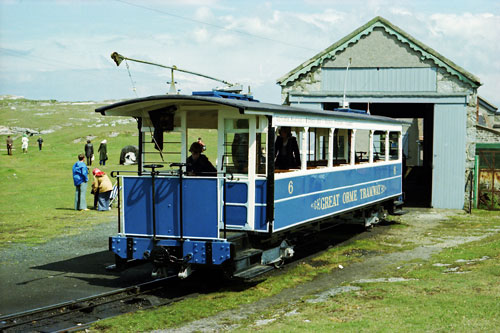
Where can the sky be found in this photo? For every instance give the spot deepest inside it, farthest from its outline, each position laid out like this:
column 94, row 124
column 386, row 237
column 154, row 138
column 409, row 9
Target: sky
column 60, row 49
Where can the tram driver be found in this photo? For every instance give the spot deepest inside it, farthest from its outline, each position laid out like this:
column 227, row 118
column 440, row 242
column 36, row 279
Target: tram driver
column 286, row 150
column 198, row 164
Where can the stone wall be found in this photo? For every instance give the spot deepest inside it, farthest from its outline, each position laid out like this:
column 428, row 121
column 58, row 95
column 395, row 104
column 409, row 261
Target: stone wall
column 309, row 82
column 487, row 135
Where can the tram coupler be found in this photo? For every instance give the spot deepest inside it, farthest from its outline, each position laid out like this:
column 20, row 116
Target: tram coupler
column 185, row 272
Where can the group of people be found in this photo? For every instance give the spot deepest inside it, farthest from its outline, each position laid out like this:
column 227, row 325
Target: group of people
column 101, row 186
column 24, row 143
column 103, row 152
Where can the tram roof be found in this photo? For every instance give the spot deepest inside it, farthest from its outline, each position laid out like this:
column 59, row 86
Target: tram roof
column 135, row 107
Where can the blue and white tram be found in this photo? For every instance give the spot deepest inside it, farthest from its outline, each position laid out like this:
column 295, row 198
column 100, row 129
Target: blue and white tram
column 243, row 218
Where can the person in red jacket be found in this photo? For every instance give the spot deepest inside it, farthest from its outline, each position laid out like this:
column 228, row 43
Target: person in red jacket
column 101, row 188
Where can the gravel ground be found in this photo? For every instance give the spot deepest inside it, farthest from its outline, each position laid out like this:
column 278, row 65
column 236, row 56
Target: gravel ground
column 62, row 269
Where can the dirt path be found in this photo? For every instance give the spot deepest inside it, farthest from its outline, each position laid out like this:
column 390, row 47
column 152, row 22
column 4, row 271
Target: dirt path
column 419, row 222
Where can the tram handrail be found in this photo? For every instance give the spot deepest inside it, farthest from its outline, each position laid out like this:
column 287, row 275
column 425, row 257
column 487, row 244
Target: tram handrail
column 116, row 173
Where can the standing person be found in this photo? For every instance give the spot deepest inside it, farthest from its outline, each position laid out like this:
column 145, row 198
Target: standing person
column 101, row 187
column 103, row 152
column 24, row 144
column 40, row 141
column 286, row 150
column 89, row 152
column 10, row 144
column 80, row 179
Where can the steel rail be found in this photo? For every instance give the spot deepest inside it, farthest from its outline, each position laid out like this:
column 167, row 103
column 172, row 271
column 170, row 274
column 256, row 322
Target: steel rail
column 11, row 320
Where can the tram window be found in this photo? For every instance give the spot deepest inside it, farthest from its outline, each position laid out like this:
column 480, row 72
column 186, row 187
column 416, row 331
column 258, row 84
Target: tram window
column 362, row 149
column 317, row 153
column 393, row 145
column 340, row 153
column 171, row 149
column 287, row 155
column 236, row 145
column 260, row 154
column 379, row 146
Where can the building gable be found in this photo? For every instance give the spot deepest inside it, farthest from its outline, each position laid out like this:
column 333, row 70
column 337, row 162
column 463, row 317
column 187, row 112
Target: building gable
column 377, row 49
column 380, row 44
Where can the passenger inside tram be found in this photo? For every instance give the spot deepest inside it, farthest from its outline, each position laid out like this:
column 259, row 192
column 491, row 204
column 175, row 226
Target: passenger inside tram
column 286, row 150
column 240, row 152
column 198, row 164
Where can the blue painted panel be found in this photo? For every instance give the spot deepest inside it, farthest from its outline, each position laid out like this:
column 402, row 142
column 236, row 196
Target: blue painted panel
column 379, row 80
column 137, row 200
column 449, row 145
column 313, row 196
column 200, row 207
column 236, row 215
column 221, row 251
column 260, row 218
column 260, row 191
column 197, row 249
column 260, row 211
column 236, row 192
column 311, row 183
column 140, row 246
column 199, row 216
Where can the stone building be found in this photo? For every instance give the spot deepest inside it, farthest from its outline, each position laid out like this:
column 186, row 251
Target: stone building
column 382, row 68
column 488, row 122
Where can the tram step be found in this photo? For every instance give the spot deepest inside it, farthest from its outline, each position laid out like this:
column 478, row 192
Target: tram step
column 399, row 212
column 239, row 239
column 253, row 271
column 398, row 203
column 247, row 258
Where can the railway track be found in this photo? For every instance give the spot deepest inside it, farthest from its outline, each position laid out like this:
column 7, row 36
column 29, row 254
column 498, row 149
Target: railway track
column 81, row 313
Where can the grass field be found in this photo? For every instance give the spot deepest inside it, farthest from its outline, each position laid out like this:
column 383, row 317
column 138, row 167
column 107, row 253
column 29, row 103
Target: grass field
column 455, row 290
column 37, row 202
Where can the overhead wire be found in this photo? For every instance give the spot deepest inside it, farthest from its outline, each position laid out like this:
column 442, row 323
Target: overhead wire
column 215, row 25
column 58, row 63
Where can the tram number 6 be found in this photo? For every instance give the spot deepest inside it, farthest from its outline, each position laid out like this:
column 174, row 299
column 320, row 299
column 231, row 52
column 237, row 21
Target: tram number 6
column 290, row 187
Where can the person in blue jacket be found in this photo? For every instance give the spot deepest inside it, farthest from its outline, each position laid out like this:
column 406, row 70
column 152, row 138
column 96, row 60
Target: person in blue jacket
column 80, row 179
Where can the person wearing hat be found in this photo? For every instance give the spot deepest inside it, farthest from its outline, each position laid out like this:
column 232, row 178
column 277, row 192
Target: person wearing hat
column 198, row 164
column 101, row 188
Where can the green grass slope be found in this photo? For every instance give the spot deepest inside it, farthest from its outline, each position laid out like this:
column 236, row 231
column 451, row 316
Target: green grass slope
column 38, row 192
